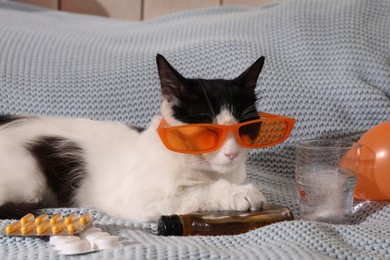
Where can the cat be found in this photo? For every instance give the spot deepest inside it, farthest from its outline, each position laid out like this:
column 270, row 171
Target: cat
column 125, row 171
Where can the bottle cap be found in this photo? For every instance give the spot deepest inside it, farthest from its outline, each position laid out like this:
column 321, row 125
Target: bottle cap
column 169, row 226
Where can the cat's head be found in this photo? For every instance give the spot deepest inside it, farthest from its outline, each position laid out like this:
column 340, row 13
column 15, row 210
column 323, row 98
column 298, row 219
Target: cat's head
column 218, row 101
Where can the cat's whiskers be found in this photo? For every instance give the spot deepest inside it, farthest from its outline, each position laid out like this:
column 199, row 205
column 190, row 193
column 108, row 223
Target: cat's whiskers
column 246, row 110
column 249, row 116
column 244, row 115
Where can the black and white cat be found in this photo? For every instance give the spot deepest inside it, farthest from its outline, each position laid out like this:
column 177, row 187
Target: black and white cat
column 127, row 172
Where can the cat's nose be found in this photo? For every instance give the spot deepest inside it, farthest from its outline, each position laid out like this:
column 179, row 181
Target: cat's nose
column 231, row 156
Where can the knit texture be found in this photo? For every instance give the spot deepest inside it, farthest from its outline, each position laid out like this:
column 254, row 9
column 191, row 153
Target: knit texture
column 327, row 65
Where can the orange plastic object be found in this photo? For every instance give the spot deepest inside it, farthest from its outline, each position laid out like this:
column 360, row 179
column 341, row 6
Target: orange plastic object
column 374, row 178
column 267, row 131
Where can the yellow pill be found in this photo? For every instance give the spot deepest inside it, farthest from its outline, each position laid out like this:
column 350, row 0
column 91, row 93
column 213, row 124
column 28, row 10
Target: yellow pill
column 42, row 218
column 11, row 228
column 56, row 218
column 84, row 219
column 72, row 227
column 27, row 219
column 43, row 227
column 70, row 219
column 57, row 228
column 27, row 228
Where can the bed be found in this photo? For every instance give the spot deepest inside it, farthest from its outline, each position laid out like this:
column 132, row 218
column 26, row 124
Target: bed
column 327, row 65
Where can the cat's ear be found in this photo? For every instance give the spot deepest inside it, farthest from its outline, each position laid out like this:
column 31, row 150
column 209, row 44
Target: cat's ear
column 172, row 83
column 249, row 77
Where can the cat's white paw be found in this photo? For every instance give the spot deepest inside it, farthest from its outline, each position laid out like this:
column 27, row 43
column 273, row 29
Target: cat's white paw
column 239, row 197
column 247, row 197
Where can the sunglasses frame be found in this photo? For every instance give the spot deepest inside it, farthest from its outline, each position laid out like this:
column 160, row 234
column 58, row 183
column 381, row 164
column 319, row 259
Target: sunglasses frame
column 226, row 129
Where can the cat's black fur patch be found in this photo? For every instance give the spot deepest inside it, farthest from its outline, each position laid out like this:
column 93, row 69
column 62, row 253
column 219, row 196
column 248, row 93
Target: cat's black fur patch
column 7, row 119
column 203, row 107
column 201, row 100
column 61, row 161
column 18, row 210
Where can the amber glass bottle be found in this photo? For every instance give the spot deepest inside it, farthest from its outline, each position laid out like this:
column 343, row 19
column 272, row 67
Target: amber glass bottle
column 221, row 222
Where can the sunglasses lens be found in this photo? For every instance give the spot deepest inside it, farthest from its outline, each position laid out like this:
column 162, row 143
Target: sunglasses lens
column 193, row 138
column 263, row 133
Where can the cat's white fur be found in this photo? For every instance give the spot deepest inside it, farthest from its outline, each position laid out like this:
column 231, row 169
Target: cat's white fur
column 129, row 174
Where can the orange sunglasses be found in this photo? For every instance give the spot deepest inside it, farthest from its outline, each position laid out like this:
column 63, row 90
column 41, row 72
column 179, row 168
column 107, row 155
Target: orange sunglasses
column 267, row 131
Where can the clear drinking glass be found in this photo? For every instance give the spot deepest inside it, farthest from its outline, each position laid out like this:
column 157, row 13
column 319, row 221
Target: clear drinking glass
column 326, row 173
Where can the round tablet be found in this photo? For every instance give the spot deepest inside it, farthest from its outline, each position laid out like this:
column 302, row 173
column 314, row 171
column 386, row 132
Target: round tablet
column 93, row 236
column 74, row 247
column 58, row 240
column 89, row 231
column 107, row 242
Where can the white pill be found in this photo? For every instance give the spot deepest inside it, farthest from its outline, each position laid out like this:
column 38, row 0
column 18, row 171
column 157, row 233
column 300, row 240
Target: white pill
column 93, row 236
column 107, row 242
column 75, row 247
column 89, row 231
column 58, row 240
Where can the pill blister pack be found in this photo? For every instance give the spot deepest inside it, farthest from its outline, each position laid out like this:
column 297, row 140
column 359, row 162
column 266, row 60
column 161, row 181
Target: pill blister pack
column 44, row 226
column 69, row 235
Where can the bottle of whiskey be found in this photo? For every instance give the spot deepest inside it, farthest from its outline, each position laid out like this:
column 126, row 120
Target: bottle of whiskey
column 221, row 222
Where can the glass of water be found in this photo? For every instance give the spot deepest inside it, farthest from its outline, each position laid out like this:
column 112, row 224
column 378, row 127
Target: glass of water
column 326, row 173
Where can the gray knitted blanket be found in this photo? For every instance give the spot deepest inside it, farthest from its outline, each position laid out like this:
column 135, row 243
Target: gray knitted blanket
column 327, row 65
